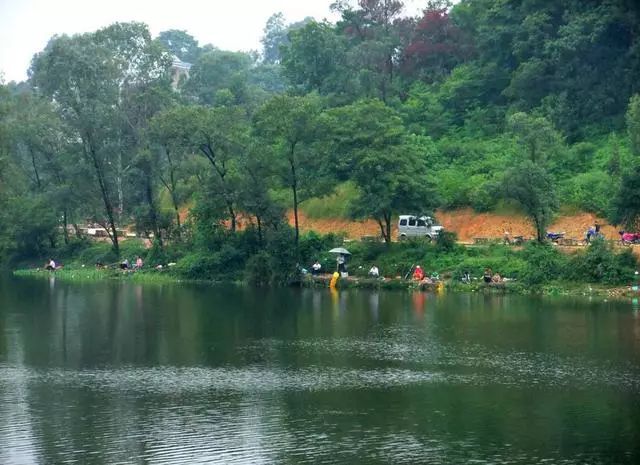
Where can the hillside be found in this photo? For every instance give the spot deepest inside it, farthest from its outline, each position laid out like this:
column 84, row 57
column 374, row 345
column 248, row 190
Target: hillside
column 466, row 223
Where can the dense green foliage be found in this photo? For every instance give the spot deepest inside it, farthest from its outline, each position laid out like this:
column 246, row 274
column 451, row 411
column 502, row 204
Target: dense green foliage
column 466, row 105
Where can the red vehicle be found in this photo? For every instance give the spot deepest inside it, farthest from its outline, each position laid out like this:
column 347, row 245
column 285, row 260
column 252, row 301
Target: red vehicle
column 629, row 238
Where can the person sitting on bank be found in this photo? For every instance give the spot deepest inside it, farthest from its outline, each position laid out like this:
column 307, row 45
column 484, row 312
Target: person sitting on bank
column 418, row 274
column 124, row 265
column 374, row 272
column 496, row 278
column 487, row 276
column 139, row 263
column 50, row 265
column 342, row 267
column 316, row 268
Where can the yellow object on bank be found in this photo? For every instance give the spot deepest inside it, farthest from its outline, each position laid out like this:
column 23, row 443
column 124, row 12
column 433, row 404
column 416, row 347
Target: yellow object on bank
column 334, row 280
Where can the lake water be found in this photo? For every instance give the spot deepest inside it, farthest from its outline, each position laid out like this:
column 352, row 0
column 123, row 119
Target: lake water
column 180, row 374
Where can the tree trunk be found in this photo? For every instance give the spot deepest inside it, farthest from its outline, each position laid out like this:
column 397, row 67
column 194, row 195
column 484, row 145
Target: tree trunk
column 119, row 183
column 294, row 189
column 105, row 197
column 173, row 193
column 382, row 231
column 64, row 231
column 232, row 214
column 175, row 207
column 170, row 185
column 35, row 169
column 387, row 220
column 152, row 209
column 222, row 172
column 539, row 231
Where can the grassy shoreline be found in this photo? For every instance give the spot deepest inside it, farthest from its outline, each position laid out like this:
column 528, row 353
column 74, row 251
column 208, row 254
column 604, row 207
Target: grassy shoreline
column 322, row 282
column 93, row 275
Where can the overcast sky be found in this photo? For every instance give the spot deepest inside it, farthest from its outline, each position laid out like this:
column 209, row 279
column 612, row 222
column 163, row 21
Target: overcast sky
column 27, row 25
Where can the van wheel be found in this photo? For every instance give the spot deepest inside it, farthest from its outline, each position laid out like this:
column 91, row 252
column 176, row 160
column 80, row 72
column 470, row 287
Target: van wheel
column 428, row 238
column 402, row 237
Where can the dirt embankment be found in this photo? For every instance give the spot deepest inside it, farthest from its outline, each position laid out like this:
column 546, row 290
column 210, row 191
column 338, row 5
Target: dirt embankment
column 467, row 224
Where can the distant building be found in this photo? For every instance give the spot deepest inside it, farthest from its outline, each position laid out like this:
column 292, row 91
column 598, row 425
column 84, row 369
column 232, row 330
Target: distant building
column 179, row 71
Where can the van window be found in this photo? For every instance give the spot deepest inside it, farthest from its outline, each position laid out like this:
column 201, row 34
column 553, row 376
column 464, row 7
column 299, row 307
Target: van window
column 421, row 223
column 403, row 222
column 412, row 222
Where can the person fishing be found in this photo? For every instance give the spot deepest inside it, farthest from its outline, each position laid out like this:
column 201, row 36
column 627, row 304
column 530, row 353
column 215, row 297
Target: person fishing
column 418, row 274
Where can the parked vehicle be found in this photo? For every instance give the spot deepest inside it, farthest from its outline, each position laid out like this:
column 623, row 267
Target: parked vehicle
column 417, row 226
column 555, row 236
column 628, row 238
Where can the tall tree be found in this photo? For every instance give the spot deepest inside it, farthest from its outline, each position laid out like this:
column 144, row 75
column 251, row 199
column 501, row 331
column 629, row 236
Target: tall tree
column 217, row 73
column 391, row 175
column 374, row 28
column 314, row 59
column 169, row 132
column 217, row 134
column 274, row 36
column 538, row 138
column 437, row 45
column 533, row 188
column 89, row 77
column 529, row 183
column 291, row 127
column 181, row 44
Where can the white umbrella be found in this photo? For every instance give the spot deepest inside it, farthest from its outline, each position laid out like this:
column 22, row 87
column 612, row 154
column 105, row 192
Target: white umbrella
column 340, row 250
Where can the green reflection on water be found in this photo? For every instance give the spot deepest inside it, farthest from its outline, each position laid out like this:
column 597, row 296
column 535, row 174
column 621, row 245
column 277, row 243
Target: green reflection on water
column 121, row 372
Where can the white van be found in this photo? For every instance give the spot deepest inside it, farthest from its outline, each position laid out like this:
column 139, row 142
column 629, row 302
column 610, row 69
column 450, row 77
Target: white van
column 417, row 226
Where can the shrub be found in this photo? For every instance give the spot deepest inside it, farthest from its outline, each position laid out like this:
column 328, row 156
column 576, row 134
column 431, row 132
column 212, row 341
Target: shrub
column 600, row 264
column 446, row 241
column 259, row 270
column 544, row 263
column 98, row 253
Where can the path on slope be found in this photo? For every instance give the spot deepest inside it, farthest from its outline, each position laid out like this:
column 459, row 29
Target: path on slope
column 466, row 223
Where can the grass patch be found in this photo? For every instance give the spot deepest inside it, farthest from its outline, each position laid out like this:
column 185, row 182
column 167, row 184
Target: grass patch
column 80, row 274
column 335, row 205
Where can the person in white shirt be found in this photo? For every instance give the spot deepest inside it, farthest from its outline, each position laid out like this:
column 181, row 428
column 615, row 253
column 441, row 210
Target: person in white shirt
column 374, row 272
column 316, row 267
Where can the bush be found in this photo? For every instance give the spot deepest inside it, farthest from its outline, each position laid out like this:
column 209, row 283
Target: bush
column 312, row 245
column 100, row 252
column 600, row 264
column 446, row 241
column 226, row 264
column 259, row 270
column 544, row 263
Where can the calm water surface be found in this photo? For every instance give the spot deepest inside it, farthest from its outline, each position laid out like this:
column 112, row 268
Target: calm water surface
column 174, row 374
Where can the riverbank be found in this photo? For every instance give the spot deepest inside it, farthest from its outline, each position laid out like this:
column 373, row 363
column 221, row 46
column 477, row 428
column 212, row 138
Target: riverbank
column 93, row 275
column 510, row 287
column 351, row 282
column 599, row 269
